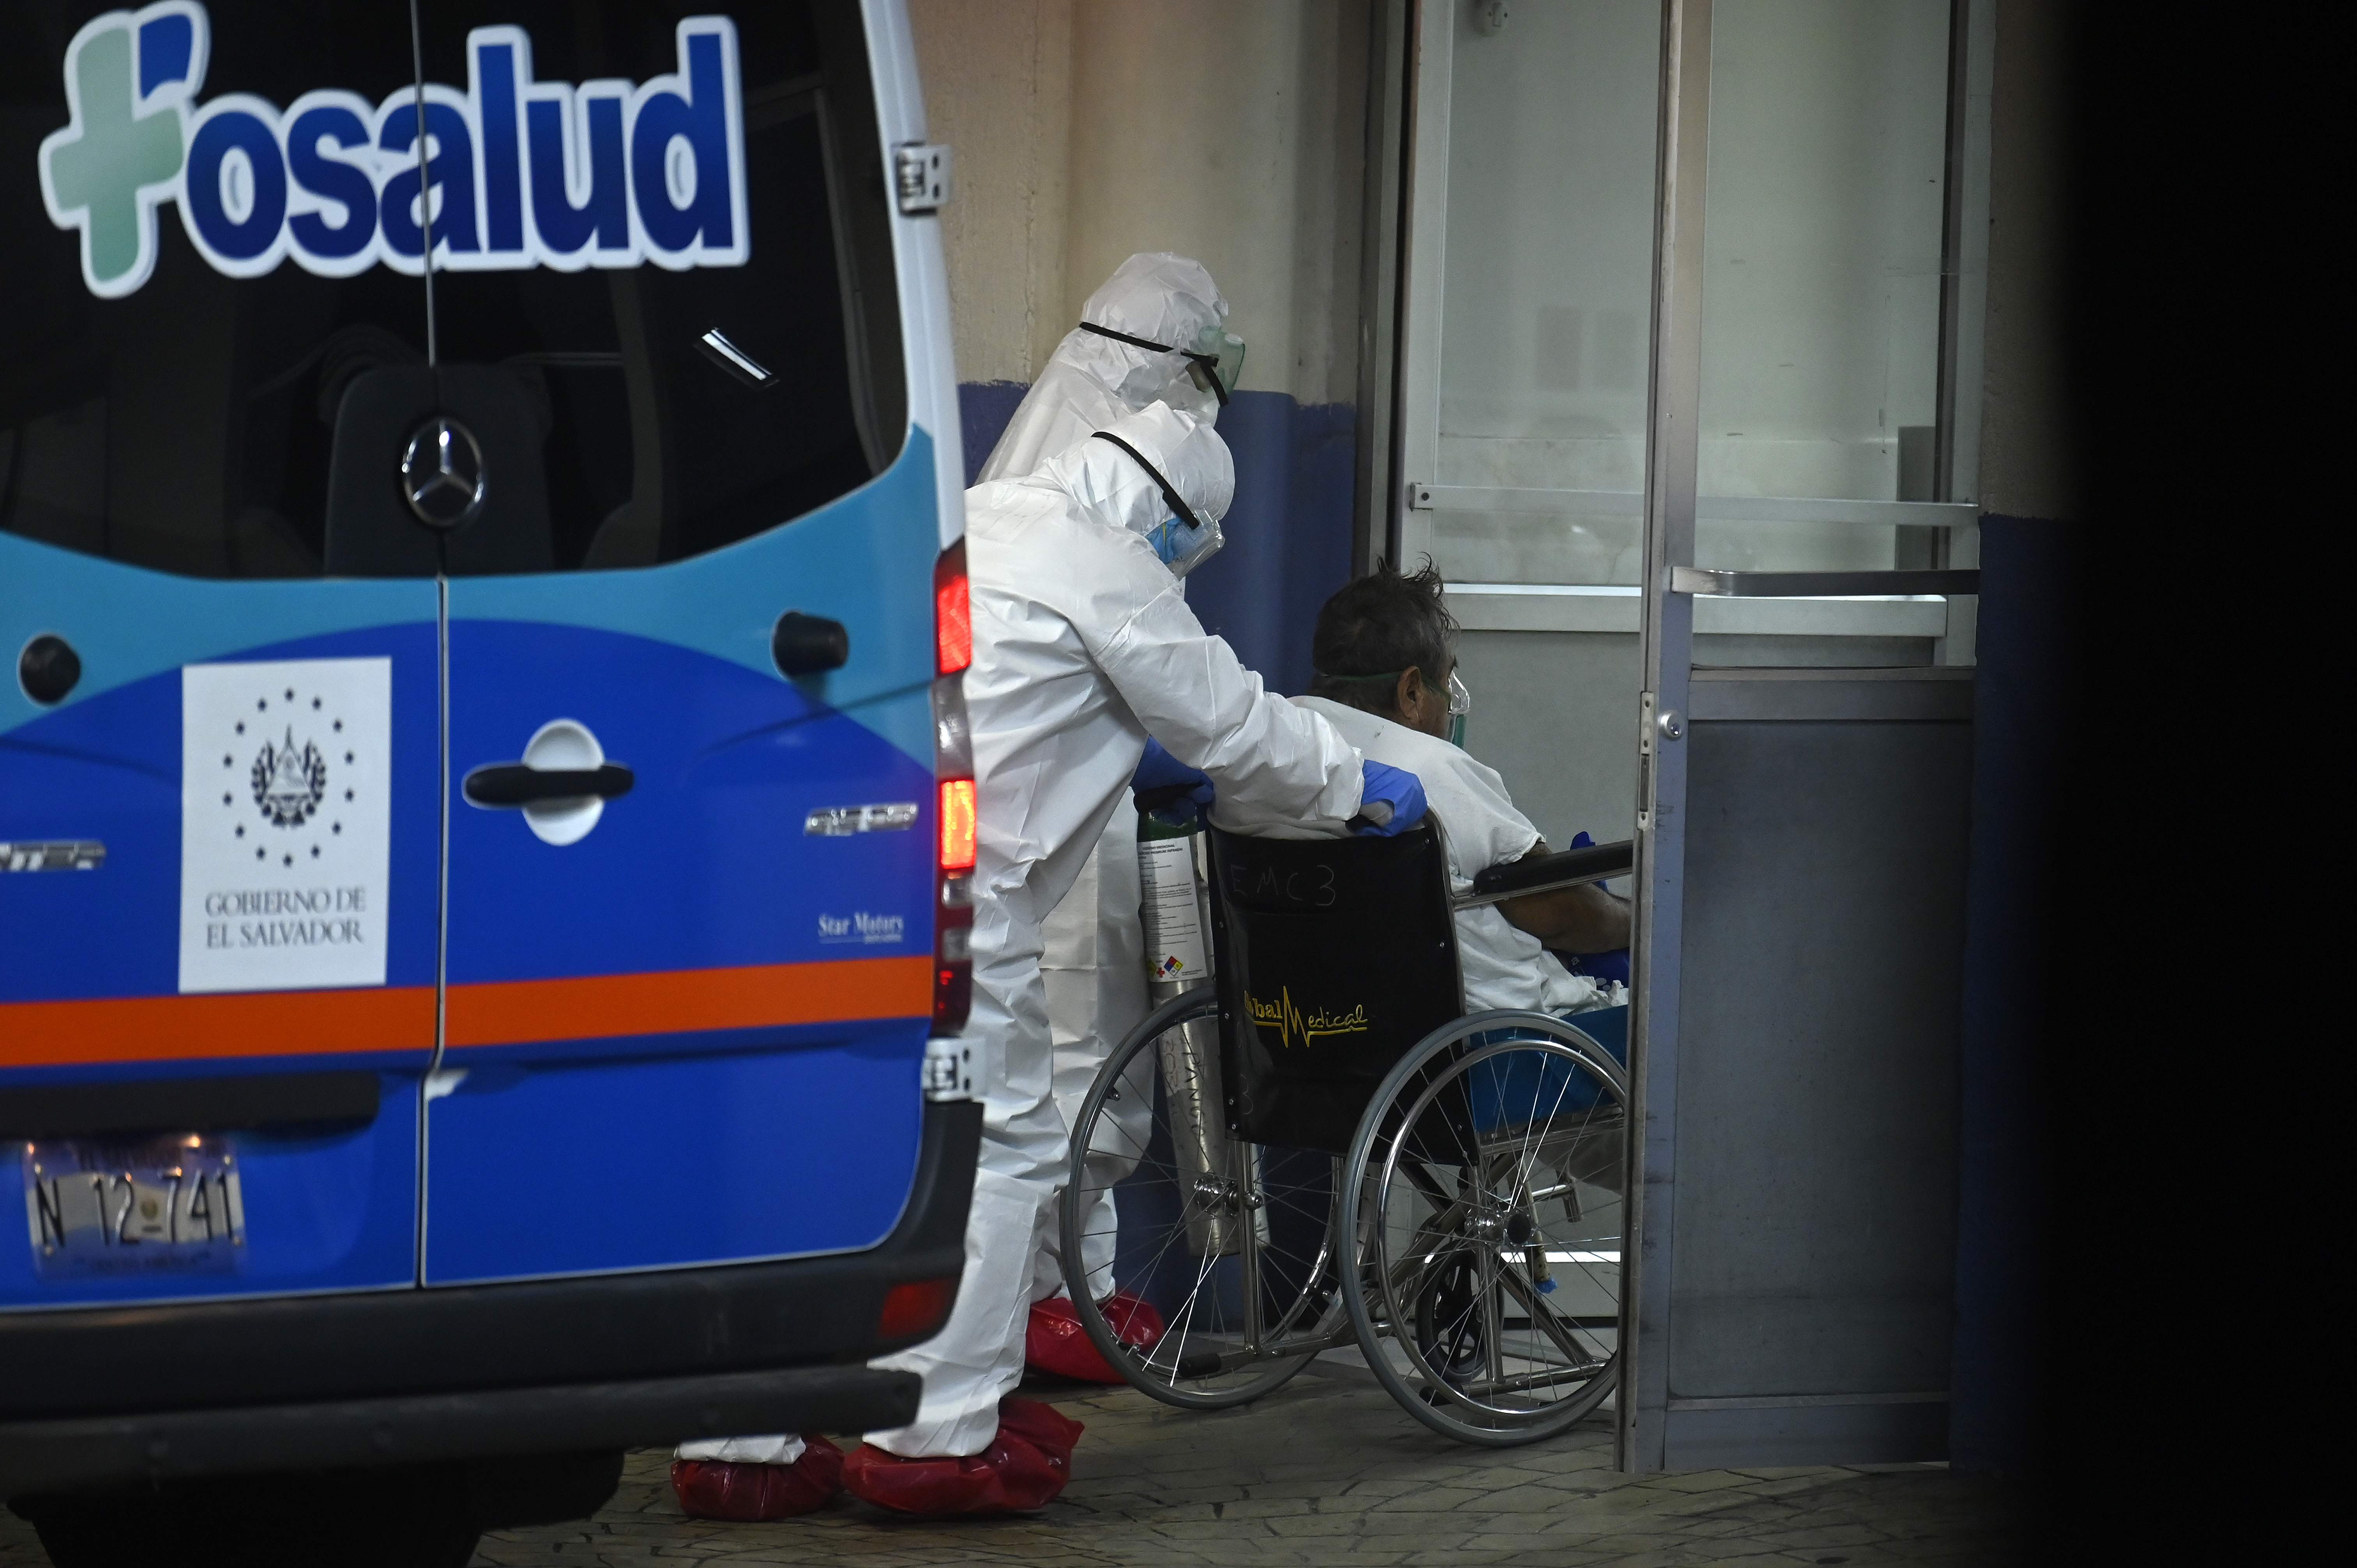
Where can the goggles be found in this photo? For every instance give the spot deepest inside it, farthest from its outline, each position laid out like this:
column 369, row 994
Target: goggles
column 1216, row 361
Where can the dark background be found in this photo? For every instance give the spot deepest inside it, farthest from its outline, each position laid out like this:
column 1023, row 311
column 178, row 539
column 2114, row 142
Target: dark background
column 2182, row 1322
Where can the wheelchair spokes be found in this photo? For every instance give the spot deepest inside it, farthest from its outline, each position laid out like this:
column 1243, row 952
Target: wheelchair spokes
column 1231, row 1243
column 1472, row 1238
column 1485, row 1196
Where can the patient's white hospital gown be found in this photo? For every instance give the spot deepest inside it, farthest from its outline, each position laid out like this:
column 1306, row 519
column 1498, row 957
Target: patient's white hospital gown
column 1504, row 966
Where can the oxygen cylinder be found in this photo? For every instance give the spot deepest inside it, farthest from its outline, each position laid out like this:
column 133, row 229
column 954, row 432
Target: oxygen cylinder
column 1174, row 870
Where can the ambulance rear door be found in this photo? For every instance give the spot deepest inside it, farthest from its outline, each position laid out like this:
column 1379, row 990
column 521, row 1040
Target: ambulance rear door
column 692, row 848
column 220, row 770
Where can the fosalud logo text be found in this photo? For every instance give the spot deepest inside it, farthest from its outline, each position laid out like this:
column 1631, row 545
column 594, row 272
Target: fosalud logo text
column 519, row 173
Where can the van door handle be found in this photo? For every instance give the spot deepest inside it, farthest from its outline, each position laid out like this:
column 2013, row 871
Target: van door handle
column 809, row 645
column 516, row 784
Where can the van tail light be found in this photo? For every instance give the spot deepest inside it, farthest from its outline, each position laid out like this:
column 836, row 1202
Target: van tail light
column 954, row 826
column 953, row 612
column 957, row 824
column 953, row 910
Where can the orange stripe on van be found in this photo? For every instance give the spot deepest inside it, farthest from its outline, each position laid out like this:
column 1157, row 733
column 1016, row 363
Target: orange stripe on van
column 606, row 1006
column 379, row 1018
column 231, row 1024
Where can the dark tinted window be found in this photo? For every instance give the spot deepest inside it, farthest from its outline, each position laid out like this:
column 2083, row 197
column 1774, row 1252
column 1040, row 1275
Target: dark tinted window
column 683, row 367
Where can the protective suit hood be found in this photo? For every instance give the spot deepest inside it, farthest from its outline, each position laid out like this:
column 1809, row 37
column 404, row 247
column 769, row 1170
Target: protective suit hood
column 1163, row 298
column 1090, row 381
column 1111, row 487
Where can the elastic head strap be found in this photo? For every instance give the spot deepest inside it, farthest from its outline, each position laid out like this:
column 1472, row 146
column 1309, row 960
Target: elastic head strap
column 1169, row 493
column 1211, row 362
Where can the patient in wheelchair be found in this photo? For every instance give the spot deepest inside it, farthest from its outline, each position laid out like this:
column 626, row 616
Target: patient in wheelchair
column 1386, row 677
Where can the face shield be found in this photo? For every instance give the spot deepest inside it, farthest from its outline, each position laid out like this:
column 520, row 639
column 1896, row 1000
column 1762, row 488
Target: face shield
column 1183, row 540
column 1215, row 362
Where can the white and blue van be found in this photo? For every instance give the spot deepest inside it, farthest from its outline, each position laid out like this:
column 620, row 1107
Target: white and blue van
column 483, row 799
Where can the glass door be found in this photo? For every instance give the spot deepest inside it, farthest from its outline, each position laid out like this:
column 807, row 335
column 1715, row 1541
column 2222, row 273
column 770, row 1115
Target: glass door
column 1522, row 380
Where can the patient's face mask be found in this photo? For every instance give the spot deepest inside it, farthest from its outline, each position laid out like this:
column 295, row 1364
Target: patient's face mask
column 1460, row 703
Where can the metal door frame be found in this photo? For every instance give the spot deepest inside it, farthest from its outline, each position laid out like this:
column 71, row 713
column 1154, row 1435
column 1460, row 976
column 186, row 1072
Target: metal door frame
column 1665, row 652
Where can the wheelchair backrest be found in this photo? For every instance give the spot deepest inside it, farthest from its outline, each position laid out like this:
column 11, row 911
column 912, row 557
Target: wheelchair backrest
column 1335, row 956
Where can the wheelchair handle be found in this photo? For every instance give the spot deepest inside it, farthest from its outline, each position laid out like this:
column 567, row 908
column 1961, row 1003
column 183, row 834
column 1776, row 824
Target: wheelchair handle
column 1566, row 868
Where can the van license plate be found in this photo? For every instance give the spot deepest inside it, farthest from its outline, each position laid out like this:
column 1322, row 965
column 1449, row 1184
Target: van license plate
column 169, row 1204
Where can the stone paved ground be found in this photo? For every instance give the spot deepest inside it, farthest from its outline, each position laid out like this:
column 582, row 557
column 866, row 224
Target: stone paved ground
column 1325, row 1471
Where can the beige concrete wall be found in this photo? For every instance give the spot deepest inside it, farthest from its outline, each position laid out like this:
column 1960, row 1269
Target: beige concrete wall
column 998, row 76
column 2027, row 467
column 1228, row 130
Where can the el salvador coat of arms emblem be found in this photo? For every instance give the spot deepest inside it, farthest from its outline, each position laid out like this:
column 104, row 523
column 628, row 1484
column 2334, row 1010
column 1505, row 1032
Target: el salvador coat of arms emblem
column 289, row 781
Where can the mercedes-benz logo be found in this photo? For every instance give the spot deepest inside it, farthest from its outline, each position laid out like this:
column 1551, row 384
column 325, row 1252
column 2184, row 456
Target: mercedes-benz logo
column 442, row 474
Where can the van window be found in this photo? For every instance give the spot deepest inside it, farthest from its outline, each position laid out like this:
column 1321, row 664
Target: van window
column 662, row 303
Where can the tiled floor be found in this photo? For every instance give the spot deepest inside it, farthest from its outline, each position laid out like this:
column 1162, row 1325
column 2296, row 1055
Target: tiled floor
column 1325, row 1471
column 1329, row 1471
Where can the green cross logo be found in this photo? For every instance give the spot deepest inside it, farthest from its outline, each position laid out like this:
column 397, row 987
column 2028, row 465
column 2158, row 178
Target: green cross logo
column 121, row 152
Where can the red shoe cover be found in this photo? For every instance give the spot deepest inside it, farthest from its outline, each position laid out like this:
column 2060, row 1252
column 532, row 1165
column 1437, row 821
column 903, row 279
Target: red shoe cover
column 748, row 1494
column 1023, row 1469
column 1055, row 1341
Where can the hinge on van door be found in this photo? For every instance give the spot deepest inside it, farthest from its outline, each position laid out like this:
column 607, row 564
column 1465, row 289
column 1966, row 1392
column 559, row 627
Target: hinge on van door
column 920, row 178
column 949, row 1069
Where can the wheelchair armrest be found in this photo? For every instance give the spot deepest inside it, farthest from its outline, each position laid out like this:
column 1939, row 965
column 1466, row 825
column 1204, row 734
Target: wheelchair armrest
column 1543, row 874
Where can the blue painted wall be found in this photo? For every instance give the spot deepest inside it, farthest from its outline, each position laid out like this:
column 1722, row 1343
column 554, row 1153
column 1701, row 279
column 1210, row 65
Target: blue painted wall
column 1288, row 532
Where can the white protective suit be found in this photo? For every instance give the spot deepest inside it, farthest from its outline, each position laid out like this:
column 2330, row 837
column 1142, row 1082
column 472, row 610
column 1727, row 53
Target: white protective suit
column 1094, row 962
column 1091, row 381
column 1083, row 645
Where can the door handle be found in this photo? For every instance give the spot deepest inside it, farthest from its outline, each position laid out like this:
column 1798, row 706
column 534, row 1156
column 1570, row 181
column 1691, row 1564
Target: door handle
column 517, row 784
column 809, row 645
column 1819, row 585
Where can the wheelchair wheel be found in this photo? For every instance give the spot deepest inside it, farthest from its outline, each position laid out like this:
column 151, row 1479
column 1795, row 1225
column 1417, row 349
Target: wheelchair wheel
column 1484, row 1189
column 1231, row 1243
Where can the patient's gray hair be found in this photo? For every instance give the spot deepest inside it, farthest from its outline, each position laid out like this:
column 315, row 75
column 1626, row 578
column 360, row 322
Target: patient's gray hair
column 1381, row 626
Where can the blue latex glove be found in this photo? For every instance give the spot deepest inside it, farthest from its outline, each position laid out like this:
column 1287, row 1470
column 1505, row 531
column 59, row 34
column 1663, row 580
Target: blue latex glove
column 1158, row 769
column 1392, row 790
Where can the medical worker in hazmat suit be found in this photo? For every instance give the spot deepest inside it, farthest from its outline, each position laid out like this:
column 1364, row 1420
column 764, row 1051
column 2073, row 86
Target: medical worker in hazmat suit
column 1154, row 332
column 1083, row 646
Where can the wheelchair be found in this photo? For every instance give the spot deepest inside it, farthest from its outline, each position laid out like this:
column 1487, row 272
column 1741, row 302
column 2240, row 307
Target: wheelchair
column 1318, row 1148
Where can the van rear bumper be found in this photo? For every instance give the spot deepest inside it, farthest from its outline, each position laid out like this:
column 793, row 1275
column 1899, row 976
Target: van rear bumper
column 53, row 1455
column 221, row 1387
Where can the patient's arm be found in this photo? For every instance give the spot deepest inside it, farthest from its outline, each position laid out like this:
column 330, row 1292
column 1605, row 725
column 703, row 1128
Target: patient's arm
column 1572, row 919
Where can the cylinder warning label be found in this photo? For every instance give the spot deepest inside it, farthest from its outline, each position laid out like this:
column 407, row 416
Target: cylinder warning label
column 1176, row 948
